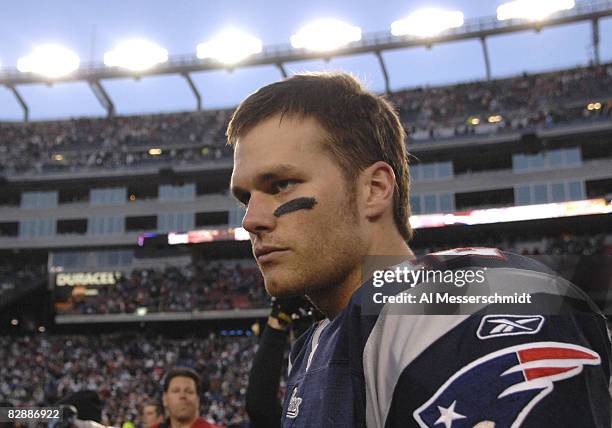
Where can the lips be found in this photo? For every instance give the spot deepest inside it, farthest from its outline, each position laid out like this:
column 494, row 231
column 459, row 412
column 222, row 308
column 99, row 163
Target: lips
column 266, row 252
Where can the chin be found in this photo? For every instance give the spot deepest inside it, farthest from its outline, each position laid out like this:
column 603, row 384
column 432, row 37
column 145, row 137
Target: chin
column 277, row 287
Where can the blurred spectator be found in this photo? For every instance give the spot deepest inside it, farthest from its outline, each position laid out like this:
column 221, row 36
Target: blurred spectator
column 152, row 414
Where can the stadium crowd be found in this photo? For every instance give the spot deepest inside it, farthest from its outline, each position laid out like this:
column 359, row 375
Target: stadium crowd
column 197, row 287
column 17, row 281
column 557, row 245
column 214, row 286
column 523, row 101
column 12, row 278
column 526, row 101
column 126, row 371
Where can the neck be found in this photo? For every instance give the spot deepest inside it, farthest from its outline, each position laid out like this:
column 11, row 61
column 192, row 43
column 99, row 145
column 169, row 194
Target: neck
column 175, row 423
column 331, row 300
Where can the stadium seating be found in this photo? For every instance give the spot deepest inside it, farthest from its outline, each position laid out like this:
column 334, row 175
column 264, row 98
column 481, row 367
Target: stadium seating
column 206, row 285
column 513, row 104
column 126, row 371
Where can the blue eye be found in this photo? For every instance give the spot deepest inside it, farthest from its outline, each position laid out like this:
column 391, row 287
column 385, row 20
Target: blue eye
column 282, row 185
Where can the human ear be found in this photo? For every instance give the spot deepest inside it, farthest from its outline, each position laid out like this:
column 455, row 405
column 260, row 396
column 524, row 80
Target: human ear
column 379, row 181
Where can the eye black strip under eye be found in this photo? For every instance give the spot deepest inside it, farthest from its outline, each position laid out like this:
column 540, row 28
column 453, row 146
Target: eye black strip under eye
column 294, row 205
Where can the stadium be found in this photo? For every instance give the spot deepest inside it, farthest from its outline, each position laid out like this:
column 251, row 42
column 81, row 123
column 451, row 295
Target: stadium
column 123, row 252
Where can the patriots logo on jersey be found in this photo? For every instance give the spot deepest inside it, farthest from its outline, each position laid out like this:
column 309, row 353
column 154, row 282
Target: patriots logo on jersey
column 294, row 405
column 501, row 388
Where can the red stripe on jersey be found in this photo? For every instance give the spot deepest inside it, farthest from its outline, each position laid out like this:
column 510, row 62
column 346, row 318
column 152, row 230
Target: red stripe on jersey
column 554, row 354
column 531, row 374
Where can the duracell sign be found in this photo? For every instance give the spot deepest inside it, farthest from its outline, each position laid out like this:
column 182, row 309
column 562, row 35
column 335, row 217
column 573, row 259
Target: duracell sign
column 86, row 278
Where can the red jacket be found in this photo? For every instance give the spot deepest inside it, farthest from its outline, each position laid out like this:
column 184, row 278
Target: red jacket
column 202, row 423
column 198, row 423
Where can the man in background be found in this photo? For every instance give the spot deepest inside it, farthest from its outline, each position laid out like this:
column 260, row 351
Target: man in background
column 152, row 414
column 181, row 400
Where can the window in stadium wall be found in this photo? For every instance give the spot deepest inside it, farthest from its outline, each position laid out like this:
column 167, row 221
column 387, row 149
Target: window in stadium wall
column 35, row 200
column 114, row 258
column 169, row 193
column 172, row 222
column 105, row 225
column 431, row 171
column 429, row 202
column 569, row 157
column 235, row 217
column 108, row 196
column 432, row 203
column 523, row 195
column 69, row 259
column 573, row 156
column 555, row 158
column 415, row 204
column 558, row 192
column 36, row 228
column 541, row 193
column 575, row 190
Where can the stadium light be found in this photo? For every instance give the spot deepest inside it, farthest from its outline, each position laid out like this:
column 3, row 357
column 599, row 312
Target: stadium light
column 136, row 55
column 593, row 106
column 49, row 60
column 533, row 10
column 325, row 35
column 230, row 46
column 155, row 151
column 427, row 22
column 495, row 118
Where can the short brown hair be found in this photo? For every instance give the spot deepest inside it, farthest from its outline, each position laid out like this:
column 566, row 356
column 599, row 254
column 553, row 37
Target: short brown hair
column 182, row 372
column 159, row 408
column 363, row 128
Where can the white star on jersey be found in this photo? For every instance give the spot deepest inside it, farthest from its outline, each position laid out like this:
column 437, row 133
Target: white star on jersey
column 448, row 415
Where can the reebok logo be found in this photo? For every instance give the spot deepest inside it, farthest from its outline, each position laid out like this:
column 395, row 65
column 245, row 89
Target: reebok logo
column 509, row 325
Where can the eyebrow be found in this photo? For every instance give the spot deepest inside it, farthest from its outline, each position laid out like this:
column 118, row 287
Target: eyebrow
column 272, row 174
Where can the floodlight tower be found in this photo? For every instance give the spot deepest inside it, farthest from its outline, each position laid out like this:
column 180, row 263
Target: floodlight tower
column 228, row 48
column 595, row 38
column 324, row 39
column 50, row 61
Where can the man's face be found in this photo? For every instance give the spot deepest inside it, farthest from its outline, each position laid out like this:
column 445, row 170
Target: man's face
column 314, row 248
column 150, row 416
column 181, row 400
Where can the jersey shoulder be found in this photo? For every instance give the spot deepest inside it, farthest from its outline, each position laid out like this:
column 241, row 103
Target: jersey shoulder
column 464, row 257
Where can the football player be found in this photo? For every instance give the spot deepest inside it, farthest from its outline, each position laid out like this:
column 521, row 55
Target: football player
column 321, row 166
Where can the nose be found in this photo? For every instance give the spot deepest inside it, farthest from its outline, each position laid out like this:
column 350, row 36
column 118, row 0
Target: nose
column 259, row 216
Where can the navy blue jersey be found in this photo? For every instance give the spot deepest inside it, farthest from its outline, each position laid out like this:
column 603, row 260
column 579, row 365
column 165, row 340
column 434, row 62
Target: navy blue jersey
column 453, row 371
